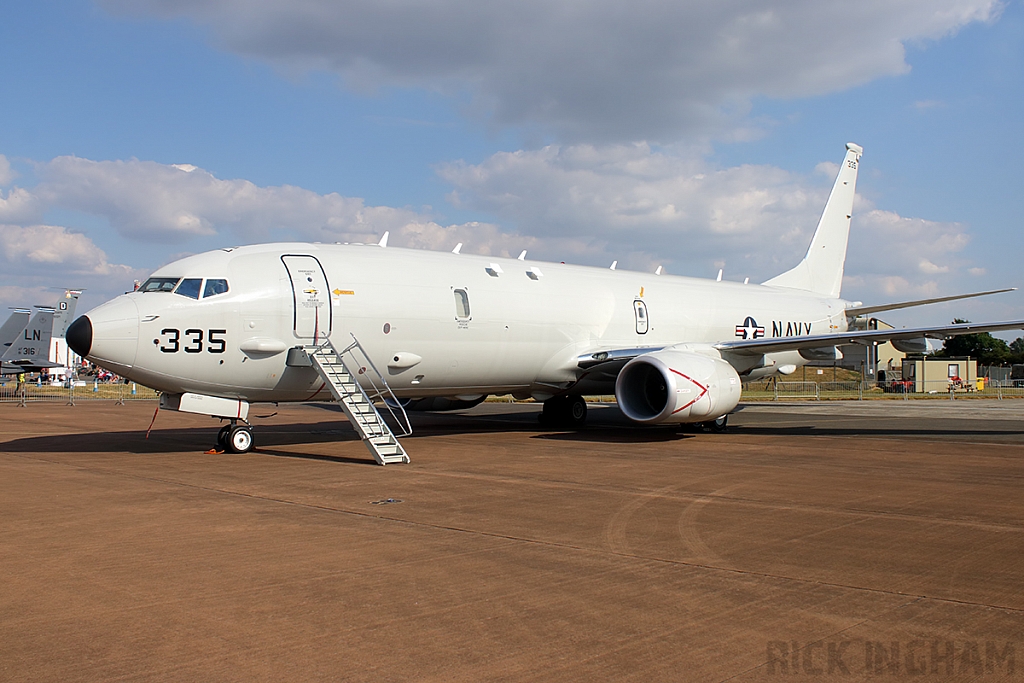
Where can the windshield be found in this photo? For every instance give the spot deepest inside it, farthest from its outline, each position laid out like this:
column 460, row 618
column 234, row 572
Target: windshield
column 190, row 287
column 159, row 284
column 215, row 286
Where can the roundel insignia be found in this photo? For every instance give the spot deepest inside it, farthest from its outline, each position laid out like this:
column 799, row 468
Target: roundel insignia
column 749, row 329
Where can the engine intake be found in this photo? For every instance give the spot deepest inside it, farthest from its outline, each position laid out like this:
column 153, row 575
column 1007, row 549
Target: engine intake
column 676, row 387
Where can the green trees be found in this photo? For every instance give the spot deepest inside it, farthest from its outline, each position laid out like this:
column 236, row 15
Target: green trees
column 987, row 349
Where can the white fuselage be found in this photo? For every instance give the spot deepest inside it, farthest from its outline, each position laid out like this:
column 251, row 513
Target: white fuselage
column 528, row 322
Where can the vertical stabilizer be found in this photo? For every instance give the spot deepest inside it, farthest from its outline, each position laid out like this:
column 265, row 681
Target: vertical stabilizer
column 821, row 270
column 32, row 344
column 64, row 312
column 12, row 328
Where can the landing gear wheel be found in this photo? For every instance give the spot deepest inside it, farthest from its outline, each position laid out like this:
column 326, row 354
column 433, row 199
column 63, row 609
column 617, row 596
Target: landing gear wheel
column 718, row 425
column 240, row 439
column 222, row 437
column 576, row 411
column 566, row 411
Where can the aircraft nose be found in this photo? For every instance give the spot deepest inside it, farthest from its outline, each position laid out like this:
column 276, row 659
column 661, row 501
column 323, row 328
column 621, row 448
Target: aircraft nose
column 110, row 334
column 79, row 336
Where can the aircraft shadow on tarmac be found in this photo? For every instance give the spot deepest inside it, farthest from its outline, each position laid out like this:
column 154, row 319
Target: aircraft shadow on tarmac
column 868, row 431
column 607, row 425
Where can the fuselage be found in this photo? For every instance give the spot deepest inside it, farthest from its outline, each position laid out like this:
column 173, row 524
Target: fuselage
column 471, row 324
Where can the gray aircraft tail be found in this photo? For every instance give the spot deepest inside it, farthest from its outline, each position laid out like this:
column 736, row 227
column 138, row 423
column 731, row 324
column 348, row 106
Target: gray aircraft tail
column 32, row 345
column 821, row 270
column 12, row 327
column 64, row 312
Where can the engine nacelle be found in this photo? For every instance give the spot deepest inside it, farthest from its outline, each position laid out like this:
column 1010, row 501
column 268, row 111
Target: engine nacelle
column 920, row 345
column 677, row 386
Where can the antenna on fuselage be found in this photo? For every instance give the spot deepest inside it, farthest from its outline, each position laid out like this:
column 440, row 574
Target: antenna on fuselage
column 458, row 248
column 384, row 240
column 522, row 256
column 658, row 271
column 719, row 278
column 612, row 266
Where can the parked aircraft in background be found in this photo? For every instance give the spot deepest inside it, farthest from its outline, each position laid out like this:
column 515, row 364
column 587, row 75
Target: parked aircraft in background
column 220, row 330
column 27, row 341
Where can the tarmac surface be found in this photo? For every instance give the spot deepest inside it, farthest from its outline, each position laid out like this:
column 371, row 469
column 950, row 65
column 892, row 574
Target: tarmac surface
column 873, row 541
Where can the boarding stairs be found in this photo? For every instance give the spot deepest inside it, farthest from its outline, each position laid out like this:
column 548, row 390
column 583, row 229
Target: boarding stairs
column 336, row 369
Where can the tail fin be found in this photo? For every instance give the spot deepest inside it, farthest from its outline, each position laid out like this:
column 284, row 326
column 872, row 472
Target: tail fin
column 821, row 270
column 32, row 345
column 12, row 328
column 64, row 312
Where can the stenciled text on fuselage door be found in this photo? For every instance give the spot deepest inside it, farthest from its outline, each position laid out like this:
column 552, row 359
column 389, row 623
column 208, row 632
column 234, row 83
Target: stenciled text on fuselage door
column 311, row 295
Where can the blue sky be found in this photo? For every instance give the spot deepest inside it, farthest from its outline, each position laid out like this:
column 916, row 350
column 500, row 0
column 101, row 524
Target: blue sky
column 659, row 134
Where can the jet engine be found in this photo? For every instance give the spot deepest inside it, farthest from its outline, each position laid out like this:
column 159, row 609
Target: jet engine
column 920, row 345
column 676, row 386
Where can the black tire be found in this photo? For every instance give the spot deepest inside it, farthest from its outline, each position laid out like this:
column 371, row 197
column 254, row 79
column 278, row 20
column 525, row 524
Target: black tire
column 576, row 411
column 240, row 439
column 718, row 425
column 564, row 411
column 222, row 437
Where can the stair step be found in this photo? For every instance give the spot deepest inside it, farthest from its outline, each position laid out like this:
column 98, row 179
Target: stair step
column 358, row 407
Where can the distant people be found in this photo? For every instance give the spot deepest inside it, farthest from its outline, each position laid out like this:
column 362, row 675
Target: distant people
column 21, row 386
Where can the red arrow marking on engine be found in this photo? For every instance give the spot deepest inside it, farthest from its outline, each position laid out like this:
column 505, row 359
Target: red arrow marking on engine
column 703, row 390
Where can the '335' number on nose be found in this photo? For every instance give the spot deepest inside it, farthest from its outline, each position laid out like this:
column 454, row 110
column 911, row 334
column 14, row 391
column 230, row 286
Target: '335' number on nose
column 173, row 340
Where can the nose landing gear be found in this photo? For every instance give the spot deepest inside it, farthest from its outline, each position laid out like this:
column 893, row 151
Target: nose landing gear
column 235, row 438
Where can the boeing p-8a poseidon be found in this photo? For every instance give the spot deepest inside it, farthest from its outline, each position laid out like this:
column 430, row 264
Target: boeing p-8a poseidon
column 264, row 323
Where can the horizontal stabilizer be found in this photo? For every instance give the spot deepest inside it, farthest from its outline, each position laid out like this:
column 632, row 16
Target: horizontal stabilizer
column 869, row 310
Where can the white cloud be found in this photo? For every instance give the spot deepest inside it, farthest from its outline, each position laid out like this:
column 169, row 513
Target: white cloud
column 7, row 174
column 600, row 70
column 929, row 268
column 27, row 249
column 172, row 203
column 20, row 206
column 892, row 255
column 644, row 207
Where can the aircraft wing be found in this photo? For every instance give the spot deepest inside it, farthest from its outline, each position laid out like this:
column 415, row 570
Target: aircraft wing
column 756, row 347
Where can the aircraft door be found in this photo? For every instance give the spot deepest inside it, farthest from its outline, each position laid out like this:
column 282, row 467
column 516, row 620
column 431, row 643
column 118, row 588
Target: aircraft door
column 312, row 297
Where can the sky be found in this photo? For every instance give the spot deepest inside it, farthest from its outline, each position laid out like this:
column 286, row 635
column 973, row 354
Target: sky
column 685, row 134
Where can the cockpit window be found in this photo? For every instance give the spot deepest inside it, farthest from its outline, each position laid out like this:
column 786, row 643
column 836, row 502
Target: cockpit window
column 159, row 284
column 214, row 286
column 190, row 287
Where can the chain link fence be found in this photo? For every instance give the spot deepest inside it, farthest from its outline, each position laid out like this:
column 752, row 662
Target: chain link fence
column 72, row 392
column 770, row 390
column 762, row 390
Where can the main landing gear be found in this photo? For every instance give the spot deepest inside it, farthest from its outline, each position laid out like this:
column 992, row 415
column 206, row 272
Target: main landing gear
column 235, row 438
column 567, row 411
column 717, row 426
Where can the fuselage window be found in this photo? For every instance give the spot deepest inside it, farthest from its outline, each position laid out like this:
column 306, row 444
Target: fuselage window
column 159, row 284
column 461, row 304
column 214, row 286
column 190, row 287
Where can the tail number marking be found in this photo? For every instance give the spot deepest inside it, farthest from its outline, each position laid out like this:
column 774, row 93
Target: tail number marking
column 170, row 340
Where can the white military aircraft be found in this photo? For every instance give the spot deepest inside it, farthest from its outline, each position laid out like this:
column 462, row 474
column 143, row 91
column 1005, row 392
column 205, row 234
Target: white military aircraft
column 220, row 330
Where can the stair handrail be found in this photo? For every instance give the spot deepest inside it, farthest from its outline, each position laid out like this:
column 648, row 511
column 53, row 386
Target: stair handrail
column 383, row 394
